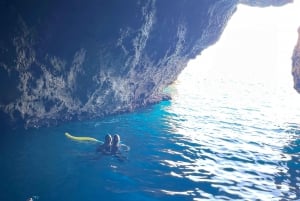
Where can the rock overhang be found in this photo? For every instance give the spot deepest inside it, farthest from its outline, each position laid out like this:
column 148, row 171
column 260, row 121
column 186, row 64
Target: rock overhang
column 62, row 62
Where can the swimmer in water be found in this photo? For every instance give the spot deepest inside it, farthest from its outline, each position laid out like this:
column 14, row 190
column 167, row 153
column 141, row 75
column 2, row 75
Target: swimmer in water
column 115, row 144
column 106, row 147
column 116, row 148
column 112, row 146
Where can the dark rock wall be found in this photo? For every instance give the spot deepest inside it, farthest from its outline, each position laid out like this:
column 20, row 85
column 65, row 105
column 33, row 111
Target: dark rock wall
column 296, row 64
column 62, row 60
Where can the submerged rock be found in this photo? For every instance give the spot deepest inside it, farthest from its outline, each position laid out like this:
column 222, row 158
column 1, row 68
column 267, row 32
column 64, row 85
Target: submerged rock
column 296, row 64
column 62, row 61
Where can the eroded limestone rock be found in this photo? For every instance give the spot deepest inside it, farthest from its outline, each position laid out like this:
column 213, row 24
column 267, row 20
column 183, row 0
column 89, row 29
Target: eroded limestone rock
column 62, row 61
column 296, row 64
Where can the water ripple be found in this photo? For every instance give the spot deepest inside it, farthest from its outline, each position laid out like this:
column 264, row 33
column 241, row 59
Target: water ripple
column 231, row 152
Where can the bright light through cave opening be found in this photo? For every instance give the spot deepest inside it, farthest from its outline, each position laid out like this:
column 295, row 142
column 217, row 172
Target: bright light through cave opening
column 256, row 44
column 255, row 47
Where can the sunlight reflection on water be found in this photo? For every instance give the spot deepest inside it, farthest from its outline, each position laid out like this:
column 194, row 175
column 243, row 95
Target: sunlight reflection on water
column 234, row 128
column 223, row 136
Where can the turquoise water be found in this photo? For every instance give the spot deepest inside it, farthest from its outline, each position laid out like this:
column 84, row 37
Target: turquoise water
column 222, row 140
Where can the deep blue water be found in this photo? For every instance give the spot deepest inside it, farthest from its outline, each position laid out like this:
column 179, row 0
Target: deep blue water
column 215, row 140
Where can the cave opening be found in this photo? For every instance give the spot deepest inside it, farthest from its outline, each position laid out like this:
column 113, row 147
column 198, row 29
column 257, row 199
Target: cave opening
column 251, row 60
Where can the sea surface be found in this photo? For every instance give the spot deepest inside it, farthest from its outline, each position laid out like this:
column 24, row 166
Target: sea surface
column 219, row 138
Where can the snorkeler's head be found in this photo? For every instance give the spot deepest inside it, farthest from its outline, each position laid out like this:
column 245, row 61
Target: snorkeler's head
column 108, row 139
column 116, row 139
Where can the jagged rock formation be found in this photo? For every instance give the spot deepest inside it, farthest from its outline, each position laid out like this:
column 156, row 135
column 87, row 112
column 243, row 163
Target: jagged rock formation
column 296, row 64
column 61, row 61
